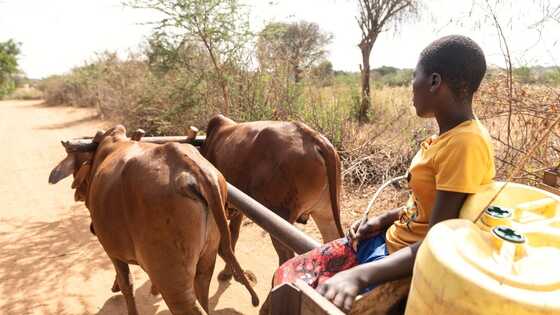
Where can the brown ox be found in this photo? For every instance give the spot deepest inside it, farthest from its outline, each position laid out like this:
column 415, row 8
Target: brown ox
column 158, row 206
column 286, row 166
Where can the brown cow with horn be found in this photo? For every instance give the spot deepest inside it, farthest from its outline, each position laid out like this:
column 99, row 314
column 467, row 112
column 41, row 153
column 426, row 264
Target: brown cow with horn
column 158, row 206
column 288, row 167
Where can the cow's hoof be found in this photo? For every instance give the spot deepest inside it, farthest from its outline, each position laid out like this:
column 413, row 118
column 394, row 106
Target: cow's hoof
column 255, row 300
column 249, row 276
column 115, row 287
column 225, row 275
column 154, row 290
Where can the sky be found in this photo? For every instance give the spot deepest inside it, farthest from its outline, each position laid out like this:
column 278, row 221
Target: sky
column 57, row 35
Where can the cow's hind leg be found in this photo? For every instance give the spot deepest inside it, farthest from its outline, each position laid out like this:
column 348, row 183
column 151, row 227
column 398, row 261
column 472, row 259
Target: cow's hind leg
column 324, row 220
column 124, row 280
column 238, row 273
column 284, row 253
column 178, row 293
column 234, row 228
column 204, row 271
column 115, row 288
column 175, row 280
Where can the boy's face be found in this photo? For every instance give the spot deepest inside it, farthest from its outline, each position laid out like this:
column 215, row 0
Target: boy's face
column 423, row 88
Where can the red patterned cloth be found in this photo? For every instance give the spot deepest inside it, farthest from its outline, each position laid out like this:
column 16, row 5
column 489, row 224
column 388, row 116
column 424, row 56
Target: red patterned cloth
column 318, row 265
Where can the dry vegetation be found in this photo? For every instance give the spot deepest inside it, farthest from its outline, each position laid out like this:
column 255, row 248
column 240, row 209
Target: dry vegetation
column 25, row 93
column 516, row 116
column 130, row 92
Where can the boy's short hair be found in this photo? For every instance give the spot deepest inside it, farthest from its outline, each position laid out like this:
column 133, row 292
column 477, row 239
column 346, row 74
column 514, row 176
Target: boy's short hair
column 460, row 62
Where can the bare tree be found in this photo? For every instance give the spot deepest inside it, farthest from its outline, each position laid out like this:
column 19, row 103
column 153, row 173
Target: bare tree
column 300, row 45
column 525, row 109
column 375, row 17
column 550, row 11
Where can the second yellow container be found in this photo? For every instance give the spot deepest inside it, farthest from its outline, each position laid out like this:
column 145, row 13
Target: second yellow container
column 507, row 263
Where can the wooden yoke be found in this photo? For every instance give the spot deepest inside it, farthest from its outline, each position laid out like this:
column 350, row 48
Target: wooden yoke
column 87, row 145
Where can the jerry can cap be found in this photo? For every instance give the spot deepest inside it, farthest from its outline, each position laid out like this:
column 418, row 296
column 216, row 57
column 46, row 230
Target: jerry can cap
column 498, row 212
column 508, row 234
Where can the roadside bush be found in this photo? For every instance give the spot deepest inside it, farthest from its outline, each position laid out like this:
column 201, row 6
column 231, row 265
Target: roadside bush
column 25, row 93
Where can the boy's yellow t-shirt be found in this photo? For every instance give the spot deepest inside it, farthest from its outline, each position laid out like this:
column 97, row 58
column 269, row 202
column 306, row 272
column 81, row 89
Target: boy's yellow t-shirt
column 459, row 160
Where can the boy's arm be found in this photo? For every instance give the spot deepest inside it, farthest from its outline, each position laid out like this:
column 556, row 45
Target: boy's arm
column 343, row 288
column 390, row 216
column 366, row 228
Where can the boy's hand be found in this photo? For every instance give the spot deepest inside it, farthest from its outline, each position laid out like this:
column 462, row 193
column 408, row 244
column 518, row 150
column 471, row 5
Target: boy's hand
column 365, row 228
column 342, row 289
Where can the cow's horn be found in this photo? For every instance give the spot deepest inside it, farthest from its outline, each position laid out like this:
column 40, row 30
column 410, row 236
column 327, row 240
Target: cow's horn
column 98, row 135
column 137, row 135
column 68, row 146
column 191, row 132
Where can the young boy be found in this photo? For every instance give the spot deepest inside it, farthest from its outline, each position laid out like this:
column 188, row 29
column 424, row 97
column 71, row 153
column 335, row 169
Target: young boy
column 447, row 168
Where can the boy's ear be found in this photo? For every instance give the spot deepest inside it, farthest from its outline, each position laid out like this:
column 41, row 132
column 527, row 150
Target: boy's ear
column 435, row 79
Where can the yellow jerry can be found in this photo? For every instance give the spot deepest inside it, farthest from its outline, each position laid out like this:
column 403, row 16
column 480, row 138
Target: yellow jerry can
column 507, row 263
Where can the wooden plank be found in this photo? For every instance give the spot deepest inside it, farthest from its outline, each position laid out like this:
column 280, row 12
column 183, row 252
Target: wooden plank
column 285, row 300
column 313, row 303
column 384, row 299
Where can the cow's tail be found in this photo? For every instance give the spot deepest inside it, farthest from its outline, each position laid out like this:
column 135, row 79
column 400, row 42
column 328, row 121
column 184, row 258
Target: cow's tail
column 214, row 191
column 332, row 164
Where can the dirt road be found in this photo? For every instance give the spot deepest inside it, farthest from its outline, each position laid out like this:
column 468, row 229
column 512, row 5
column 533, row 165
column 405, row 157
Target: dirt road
column 49, row 261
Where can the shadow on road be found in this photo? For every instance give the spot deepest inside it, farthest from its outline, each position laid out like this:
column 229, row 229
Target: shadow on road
column 145, row 302
column 69, row 124
column 213, row 301
column 39, row 259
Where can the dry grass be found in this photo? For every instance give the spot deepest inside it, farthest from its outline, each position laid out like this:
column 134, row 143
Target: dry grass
column 382, row 149
column 25, row 93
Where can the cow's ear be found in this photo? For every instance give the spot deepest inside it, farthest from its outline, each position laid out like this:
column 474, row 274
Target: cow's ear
column 81, row 175
column 81, row 181
column 63, row 169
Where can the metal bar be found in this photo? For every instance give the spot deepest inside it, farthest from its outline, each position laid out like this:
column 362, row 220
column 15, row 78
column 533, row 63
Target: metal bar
column 86, row 145
column 278, row 228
